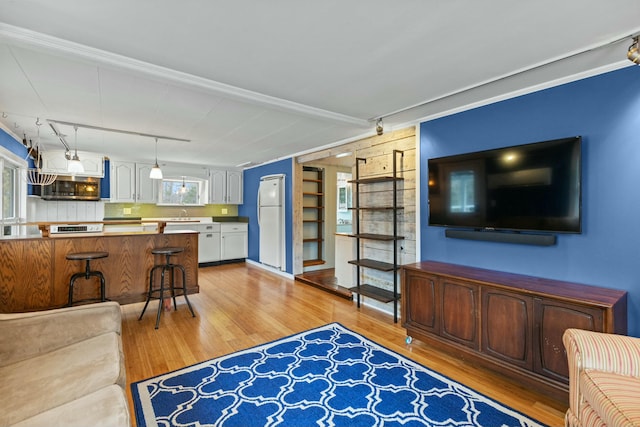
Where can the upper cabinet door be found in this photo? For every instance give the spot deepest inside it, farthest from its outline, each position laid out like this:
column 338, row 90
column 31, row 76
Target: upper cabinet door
column 218, row 183
column 234, row 187
column 146, row 188
column 55, row 161
column 123, row 184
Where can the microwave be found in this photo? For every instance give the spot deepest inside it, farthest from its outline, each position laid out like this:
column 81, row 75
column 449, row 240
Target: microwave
column 72, row 188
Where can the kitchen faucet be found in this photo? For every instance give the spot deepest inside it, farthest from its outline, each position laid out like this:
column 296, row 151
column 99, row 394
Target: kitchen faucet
column 184, row 213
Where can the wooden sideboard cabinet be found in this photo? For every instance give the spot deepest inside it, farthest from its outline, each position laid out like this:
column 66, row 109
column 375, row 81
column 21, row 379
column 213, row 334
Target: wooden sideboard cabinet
column 507, row 322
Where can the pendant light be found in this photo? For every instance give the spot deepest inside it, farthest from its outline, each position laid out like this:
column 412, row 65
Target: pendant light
column 74, row 165
column 156, row 172
column 35, row 175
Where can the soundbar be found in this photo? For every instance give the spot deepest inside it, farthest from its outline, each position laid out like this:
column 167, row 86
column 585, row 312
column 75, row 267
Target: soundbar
column 502, row 237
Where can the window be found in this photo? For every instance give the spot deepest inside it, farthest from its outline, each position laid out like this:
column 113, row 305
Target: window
column 183, row 191
column 13, row 205
column 10, row 190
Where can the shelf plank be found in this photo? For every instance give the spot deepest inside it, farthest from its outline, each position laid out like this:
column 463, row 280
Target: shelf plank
column 374, row 264
column 376, row 208
column 376, row 179
column 313, row 194
column 310, row 262
column 312, row 240
column 375, row 292
column 383, row 237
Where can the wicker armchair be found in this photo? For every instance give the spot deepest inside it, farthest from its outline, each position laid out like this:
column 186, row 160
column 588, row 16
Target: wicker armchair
column 604, row 379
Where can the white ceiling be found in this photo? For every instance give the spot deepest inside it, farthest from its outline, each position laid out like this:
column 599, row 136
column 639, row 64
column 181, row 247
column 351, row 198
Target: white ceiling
column 254, row 81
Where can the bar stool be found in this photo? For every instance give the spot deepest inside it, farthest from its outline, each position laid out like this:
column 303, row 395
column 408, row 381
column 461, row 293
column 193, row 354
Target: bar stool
column 87, row 274
column 167, row 266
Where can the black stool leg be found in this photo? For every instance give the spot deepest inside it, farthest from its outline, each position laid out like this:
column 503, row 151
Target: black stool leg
column 71, row 283
column 150, row 293
column 161, row 297
column 184, row 289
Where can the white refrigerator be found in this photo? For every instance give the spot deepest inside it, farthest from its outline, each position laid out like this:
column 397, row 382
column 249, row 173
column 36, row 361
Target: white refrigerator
column 271, row 221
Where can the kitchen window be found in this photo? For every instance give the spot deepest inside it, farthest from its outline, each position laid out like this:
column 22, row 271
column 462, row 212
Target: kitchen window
column 14, row 191
column 9, row 193
column 183, row 191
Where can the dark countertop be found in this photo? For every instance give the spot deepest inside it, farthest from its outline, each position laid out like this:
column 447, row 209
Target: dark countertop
column 230, row 219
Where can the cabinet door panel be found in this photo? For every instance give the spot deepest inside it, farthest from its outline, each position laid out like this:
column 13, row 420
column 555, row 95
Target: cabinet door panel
column 506, row 326
column 123, row 178
column 552, row 319
column 420, row 296
column 460, row 312
column 234, row 187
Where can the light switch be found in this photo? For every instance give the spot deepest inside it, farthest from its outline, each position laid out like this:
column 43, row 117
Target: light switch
column 225, row 211
column 126, row 211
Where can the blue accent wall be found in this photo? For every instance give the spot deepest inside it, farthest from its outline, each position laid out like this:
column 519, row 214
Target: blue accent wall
column 605, row 111
column 8, row 142
column 251, row 182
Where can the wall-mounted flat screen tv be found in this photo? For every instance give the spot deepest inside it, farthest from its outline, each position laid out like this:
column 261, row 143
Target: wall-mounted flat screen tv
column 530, row 187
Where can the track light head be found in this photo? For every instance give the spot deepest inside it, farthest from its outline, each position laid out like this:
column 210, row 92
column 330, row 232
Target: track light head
column 633, row 53
column 379, row 127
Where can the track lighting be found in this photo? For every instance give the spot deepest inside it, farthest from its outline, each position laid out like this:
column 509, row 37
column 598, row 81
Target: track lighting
column 633, row 54
column 156, row 172
column 379, row 127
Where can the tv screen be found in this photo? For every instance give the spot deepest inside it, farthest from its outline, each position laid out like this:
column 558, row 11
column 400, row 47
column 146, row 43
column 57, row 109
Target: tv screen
column 530, row 187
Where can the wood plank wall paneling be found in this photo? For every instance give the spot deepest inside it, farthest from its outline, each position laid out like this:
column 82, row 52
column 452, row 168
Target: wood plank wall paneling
column 379, row 162
column 378, row 150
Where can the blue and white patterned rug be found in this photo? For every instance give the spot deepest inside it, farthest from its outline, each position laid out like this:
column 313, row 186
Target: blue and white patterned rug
column 329, row 376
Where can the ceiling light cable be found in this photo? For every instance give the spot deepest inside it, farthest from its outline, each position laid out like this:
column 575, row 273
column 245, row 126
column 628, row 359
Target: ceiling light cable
column 156, row 172
column 75, row 166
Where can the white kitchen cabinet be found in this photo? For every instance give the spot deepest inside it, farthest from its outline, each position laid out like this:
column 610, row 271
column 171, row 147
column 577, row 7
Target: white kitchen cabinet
column 208, row 243
column 55, row 161
column 233, row 240
column 226, row 186
column 146, row 188
column 130, row 183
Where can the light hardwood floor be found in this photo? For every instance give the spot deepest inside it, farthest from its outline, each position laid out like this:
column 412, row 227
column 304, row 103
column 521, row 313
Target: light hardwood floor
column 240, row 306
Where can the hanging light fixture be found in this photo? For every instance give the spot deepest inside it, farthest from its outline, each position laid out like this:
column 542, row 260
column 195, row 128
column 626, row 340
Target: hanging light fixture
column 634, row 53
column 35, row 175
column 74, row 165
column 156, row 172
column 183, row 189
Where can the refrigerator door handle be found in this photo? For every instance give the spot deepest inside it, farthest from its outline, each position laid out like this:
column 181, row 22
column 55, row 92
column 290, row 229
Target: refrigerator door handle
column 258, row 206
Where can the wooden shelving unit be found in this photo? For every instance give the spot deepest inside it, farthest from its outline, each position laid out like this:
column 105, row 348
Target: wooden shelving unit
column 360, row 262
column 313, row 215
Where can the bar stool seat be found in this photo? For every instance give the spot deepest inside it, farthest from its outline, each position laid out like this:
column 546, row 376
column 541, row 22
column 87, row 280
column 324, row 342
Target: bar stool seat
column 87, row 274
column 170, row 267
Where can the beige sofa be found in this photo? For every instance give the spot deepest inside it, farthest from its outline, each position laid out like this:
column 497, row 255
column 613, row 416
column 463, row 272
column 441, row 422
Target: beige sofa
column 604, row 379
column 63, row 367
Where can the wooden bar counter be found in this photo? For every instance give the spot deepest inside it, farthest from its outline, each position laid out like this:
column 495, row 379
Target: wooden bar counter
column 35, row 274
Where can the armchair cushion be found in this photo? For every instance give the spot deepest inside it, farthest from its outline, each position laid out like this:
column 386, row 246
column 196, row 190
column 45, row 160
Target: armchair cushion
column 604, row 379
column 616, row 398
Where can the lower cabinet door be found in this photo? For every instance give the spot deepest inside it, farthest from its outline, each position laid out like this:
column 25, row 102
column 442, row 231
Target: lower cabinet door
column 552, row 318
column 208, row 247
column 233, row 245
column 420, row 300
column 460, row 312
column 507, row 320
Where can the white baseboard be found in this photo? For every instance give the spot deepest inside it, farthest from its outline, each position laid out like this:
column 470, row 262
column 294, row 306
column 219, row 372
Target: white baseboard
column 268, row 268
